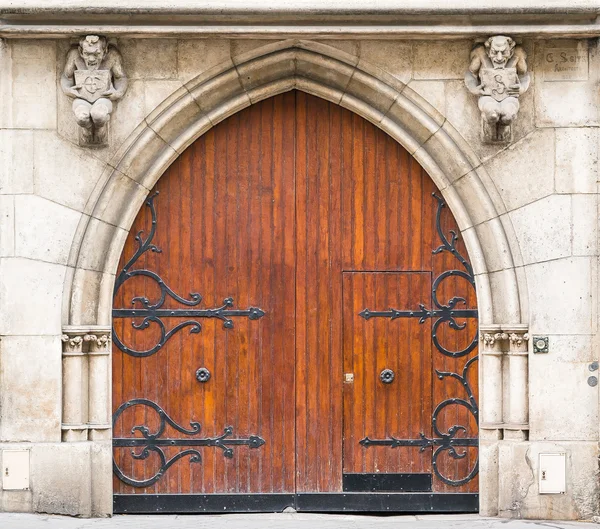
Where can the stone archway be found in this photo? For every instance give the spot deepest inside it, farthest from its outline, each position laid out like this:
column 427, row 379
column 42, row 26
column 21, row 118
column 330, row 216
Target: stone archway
column 205, row 101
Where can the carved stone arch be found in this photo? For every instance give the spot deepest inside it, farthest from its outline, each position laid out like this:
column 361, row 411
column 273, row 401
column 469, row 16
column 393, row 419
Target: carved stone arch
column 329, row 73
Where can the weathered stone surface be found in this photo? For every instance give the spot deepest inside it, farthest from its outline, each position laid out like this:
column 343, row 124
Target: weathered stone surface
column 537, row 224
column 7, row 226
column 394, row 57
column 562, row 296
column 563, row 381
column 30, row 297
column 434, row 92
column 519, row 496
column 16, row 161
column 67, row 178
column 195, row 56
column 47, row 235
column 525, row 171
column 28, row 415
column 441, row 59
column 576, row 163
column 52, row 493
column 33, row 93
column 145, row 60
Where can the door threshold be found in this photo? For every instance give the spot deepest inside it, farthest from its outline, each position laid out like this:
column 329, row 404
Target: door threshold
column 381, row 502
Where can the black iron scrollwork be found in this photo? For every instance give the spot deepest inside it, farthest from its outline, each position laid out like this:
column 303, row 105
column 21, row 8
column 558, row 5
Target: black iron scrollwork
column 153, row 312
column 446, row 442
column 441, row 313
column 151, row 442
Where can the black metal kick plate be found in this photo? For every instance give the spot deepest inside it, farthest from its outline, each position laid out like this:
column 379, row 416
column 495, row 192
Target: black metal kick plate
column 383, row 482
column 413, row 502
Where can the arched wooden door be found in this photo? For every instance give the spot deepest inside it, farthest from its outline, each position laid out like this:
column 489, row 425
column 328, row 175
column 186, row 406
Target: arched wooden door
column 295, row 324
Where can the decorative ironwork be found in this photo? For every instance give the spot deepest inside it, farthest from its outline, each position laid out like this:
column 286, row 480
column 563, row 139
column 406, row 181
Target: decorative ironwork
column 387, row 376
column 446, row 442
column 153, row 313
column 203, row 375
column 152, row 442
column 447, row 313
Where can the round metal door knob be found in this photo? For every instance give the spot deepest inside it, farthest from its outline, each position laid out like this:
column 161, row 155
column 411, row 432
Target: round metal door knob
column 203, row 375
column 387, row 376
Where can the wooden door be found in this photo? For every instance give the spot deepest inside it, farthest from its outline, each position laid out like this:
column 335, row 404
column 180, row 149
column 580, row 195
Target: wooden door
column 239, row 316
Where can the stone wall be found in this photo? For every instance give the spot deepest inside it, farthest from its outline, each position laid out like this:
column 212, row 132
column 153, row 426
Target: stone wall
column 543, row 188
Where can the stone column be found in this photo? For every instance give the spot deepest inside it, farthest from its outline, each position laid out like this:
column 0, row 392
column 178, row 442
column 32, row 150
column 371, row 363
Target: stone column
column 74, row 427
column 517, row 418
column 492, row 338
column 98, row 340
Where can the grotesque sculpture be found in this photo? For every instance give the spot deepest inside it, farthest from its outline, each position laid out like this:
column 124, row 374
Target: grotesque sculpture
column 93, row 77
column 498, row 75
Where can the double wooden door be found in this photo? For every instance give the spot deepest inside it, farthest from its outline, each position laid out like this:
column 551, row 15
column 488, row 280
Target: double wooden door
column 295, row 325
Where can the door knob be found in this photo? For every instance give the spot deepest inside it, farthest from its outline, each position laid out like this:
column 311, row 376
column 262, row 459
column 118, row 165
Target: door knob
column 387, row 376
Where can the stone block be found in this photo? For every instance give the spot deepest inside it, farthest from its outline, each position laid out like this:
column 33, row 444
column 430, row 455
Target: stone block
column 518, row 490
column 434, row 92
column 576, row 166
column 31, row 384
column 505, row 293
column 543, row 228
column 67, row 178
column 90, row 301
column 149, row 58
column 524, row 172
column 7, row 226
column 562, row 296
column 5, row 84
column 128, row 114
column 567, row 104
column 34, row 84
column 30, row 297
column 549, row 418
column 155, row 92
column 46, row 235
column 16, row 161
column 53, row 493
column 102, row 248
column 491, row 237
column 395, row 57
column 101, row 478
column 584, row 224
column 195, row 56
column 441, row 59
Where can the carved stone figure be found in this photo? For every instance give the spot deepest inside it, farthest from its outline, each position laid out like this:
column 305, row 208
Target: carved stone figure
column 498, row 75
column 94, row 78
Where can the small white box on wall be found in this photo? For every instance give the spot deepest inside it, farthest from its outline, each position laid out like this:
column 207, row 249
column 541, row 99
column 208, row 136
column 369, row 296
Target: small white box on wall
column 553, row 473
column 15, row 469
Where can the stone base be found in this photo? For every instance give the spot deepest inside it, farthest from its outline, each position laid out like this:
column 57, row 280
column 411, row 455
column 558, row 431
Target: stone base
column 65, row 478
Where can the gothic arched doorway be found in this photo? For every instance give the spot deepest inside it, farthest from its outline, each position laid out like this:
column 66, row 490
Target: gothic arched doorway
column 296, row 325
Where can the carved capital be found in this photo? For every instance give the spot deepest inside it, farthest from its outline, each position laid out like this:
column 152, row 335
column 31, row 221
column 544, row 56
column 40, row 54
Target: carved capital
column 98, row 342
column 72, row 343
column 86, row 339
column 498, row 75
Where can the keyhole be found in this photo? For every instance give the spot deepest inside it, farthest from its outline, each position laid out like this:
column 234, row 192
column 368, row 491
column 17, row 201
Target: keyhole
column 6, row 471
column 543, row 475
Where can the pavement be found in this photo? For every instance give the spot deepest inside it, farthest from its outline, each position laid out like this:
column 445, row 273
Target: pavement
column 279, row 521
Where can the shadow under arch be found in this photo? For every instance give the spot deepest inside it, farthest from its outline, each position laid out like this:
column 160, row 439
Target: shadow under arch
column 317, row 69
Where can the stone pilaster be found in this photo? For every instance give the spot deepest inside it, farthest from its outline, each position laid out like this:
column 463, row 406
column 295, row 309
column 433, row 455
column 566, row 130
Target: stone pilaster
column 86, row 383
column 517, row 417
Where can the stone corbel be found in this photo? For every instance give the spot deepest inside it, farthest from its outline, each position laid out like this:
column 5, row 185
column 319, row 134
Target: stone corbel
column 498, row 76
column 86, row 383
column 94, row 79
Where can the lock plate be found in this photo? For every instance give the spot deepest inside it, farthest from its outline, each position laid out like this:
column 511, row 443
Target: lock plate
column 348, row 378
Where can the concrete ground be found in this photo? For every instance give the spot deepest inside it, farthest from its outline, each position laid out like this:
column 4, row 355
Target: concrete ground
column 279, row 521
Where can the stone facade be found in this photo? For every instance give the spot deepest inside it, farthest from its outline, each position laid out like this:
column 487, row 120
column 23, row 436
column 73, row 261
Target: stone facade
column 527, row 209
